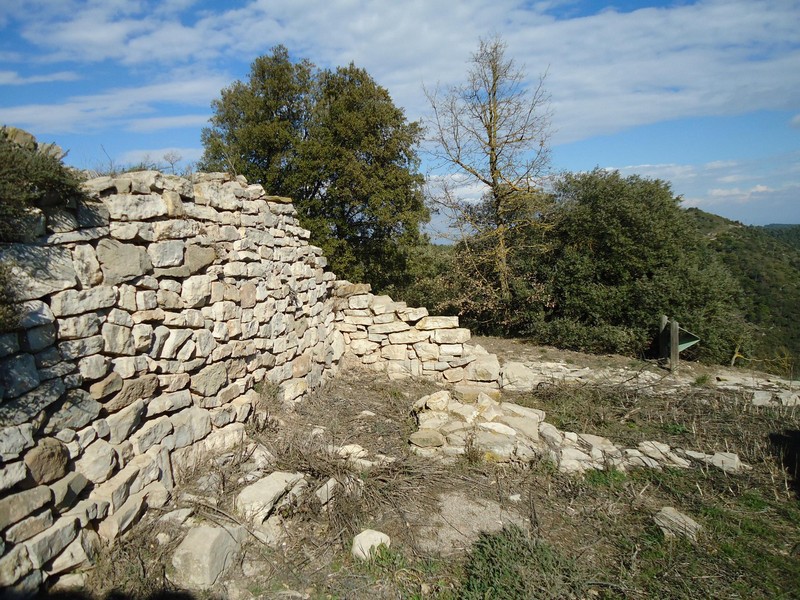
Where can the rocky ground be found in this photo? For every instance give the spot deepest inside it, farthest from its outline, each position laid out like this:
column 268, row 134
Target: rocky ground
column 638, row 482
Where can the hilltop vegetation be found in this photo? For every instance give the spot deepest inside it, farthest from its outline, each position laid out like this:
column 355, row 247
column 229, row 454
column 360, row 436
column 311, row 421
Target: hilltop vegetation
column 766, row 263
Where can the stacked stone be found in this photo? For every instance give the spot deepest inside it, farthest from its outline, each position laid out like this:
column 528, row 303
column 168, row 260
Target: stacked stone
column 149, row 311
column 451, row 424
column 407, row 342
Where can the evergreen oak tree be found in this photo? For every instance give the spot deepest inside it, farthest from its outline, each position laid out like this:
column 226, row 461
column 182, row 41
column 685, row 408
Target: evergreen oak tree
column 334, row 142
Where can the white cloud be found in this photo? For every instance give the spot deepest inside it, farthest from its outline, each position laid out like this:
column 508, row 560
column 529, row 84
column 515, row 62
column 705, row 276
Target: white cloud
column 117, row 108
column 151, row 124
column 14, row 78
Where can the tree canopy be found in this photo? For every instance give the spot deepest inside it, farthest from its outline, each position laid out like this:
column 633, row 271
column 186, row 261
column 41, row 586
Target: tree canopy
column 334, row 142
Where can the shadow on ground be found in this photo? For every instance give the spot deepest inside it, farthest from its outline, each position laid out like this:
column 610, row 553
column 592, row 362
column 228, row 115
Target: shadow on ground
column 786, row 446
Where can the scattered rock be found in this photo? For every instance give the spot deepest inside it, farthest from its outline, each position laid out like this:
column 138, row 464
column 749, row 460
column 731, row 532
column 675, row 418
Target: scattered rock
column 676, row 524
column 367, row 543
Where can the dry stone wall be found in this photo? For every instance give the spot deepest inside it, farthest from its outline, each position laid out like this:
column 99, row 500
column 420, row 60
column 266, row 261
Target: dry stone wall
column 151, row 312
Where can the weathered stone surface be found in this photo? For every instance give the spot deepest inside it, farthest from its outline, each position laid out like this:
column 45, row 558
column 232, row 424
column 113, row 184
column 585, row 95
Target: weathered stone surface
column 18, row 375
column 674, row 524
column 450, row 336
column 29, row 527
column 14, row 566
column 427, row 438
column 9, row 344
column 27, row 406
column 196, row 290
column 67, row 489
column 140, row 388
column 76, row 302
column 76, row 409
column 15, row 507
column 82, row 326
column 727, row 461
column 98, row 461
column 109, row 385
column 256, row 501
column 166, row 254
column 11, row 474
column 13, row 440
column 518, row 377
column 122, row 262
column 47, row 461
column 48, row 544
column 437, row 323
column 34, row 313
column 127, row 207
column 151, row 433
column 484, row 368
column 73, row 349
column 81, row 553
column 87, row 267
column 122, row 423
column 39, row 338
column 123, row 517
column 209, row 380
column 189, row 426
column 366, row 544
column 205, row 554
column 37, row 271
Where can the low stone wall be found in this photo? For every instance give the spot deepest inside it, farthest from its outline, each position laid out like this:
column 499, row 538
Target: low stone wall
column 150, row 311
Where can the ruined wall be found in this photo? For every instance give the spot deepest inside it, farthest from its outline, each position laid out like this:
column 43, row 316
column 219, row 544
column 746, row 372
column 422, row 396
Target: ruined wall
column 150, row 312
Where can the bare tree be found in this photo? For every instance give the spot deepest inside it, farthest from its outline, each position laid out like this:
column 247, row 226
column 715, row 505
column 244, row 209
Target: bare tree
column 493, row 131
column 173, row 157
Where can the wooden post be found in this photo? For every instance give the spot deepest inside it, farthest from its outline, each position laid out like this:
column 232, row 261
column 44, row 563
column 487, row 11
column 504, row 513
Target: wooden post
column 663, row 340
column 674, row 345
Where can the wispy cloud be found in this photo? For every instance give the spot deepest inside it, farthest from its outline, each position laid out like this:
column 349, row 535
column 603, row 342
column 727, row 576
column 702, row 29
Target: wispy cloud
column 14, row 78
column 148, row 125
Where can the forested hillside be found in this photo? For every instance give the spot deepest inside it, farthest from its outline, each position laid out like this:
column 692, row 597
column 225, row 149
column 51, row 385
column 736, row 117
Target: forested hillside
column 766, row 262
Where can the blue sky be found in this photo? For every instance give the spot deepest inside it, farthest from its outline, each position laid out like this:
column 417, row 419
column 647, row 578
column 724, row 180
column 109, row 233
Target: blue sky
column 704, row 94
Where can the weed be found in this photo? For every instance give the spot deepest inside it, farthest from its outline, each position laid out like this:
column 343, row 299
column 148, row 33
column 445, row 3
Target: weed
column 608, row 478
column 703, row 380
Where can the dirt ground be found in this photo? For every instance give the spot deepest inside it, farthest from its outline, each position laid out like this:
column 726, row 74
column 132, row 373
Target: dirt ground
column 434, row 511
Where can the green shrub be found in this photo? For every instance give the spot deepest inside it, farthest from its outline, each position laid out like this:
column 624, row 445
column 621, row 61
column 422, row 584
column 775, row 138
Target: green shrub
column 510, row 565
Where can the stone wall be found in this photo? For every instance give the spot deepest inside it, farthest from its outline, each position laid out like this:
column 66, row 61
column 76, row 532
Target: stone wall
column 150, row 313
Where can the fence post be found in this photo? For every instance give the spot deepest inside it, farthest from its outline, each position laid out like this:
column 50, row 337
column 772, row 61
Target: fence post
column 674, row 345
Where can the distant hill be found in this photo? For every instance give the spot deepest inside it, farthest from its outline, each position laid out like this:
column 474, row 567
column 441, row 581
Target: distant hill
column 766, row 261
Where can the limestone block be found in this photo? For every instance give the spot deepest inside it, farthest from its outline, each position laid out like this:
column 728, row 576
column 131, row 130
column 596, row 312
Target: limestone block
column 29, row 527
column 37, row 271
column 292, row 389
column 484, row 368
column 166, row 254
column 412, row 336
column 133, row 389
column 427, row 438
column 76, row 409
column 169, row 402
column 39, row 338
column 13, row 440
column 189, row 426
column 674, row 523
column 518, row 377
column 11, row 474
column 135, row 207
column 14, row 566
column 80, row 553
column 82, row 326
column 196, row 290
column 363, row 346
column 523, row 411
column 174, row 341
column 122, row 423
column 151, row 433
column 412, row 315
column 26, row 407
column 18, row 375
column 122, row 262
column 76, row 302
column 87, row 267
column 393, row 327
column 727, row 461
column 175, row 229
column 15, row 507
column 67, row 489
column 526, row 427
column 123, row 517
column 209, row 380
column 256, row 501
column 450, row 336
column 89, row 510
column 34, row 313
column 205, row 555
column 47, row 461
column 367, row 543
column 395, row 352
column 427, row 323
